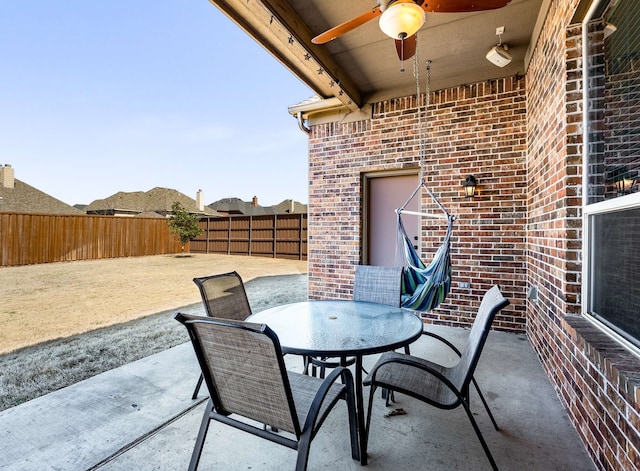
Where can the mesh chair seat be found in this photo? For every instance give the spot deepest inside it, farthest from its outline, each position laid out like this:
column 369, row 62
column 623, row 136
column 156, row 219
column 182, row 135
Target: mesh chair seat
column 406, row 378
column 304, row 390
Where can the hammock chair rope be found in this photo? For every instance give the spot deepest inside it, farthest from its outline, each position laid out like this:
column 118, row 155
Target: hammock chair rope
column 422, row 149
column 424, row 287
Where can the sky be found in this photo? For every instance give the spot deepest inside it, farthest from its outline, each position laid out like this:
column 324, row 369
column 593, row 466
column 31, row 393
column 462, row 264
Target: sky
column 103, row 96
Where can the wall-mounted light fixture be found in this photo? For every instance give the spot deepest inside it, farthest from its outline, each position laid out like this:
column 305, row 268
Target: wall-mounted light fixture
column 469, row 186
column 624, row 184
column 609, row 29
column 624, row 180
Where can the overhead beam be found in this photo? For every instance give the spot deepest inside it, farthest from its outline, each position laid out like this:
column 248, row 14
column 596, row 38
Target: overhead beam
column 277, row 28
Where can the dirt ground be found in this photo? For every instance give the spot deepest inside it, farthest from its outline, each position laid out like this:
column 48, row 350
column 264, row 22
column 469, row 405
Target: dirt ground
column 55, row 300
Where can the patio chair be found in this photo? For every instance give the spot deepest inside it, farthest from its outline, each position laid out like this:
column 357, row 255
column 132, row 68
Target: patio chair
column 374, row 284
column 442, row 387
column 244, row 369
column 382, row 285
column 224, row 297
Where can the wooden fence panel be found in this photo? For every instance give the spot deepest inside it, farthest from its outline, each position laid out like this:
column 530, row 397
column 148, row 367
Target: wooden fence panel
column 27, row 239
column 274, row 235
column 42, row 238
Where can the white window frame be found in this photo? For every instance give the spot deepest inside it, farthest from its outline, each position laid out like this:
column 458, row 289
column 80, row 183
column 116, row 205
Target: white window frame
column 631, row 201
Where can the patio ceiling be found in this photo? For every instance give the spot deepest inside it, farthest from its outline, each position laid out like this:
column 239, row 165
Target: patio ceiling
column 361, row 66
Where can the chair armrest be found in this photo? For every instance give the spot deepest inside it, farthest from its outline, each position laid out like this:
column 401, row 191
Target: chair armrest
column 338, row 373
column 443, row 340
column 409, row 361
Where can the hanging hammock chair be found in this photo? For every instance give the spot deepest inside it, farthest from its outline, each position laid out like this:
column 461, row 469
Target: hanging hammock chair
column 424, row 287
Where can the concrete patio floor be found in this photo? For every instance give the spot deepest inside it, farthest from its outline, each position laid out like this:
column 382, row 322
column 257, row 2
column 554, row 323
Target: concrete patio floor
column 141, row 417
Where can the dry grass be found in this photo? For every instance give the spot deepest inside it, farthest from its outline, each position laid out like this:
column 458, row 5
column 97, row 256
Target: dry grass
column 61, row 323
column 44, row 302
column 33, row 371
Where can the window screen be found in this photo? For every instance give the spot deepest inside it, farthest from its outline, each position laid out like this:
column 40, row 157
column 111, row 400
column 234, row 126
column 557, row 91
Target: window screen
column 612, row 61
column 614, row 101
column 615, row 265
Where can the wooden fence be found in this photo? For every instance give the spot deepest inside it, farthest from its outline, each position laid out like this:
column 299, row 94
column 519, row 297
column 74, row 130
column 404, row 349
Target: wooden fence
column 27, row 239
column 40, row 238
column 274, row 235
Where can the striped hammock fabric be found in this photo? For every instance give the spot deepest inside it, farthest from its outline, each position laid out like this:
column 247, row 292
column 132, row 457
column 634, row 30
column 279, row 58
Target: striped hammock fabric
column 425, row 287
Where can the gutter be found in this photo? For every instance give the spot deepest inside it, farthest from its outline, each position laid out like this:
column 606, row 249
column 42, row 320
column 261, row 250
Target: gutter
column 317, row 110
column 301, row 125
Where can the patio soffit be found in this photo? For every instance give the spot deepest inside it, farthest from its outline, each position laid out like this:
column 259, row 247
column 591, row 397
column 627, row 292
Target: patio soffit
column 362, row 67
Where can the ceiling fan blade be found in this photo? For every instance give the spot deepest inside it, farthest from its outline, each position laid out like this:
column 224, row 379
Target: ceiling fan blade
column 347, row 26
column 406, row 48
column 459, row 6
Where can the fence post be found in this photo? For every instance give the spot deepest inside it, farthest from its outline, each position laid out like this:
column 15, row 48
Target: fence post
column 250, row 234
column 208, row 229
column 300, row 239
column 275, row 236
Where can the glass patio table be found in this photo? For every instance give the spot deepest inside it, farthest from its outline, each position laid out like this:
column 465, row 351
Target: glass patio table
column 336, row 328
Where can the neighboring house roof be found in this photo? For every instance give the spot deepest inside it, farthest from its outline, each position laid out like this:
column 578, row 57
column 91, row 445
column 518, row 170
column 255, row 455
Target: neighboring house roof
column 233, row 206
column 23, row 198
column 291, row 207
column 158, row 200
column 237, row 206
column 149, row 214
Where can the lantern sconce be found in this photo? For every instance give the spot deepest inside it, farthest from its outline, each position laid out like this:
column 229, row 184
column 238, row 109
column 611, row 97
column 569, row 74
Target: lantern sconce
column 624, row 184
column 469, row 186
column 623, row 180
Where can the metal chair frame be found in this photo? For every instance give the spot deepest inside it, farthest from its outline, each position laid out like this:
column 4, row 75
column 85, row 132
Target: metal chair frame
column 442, row 387
column 215, row 342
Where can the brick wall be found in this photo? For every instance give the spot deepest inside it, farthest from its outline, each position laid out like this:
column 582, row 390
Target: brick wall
column 478, row 129
column 595, row 378
column 597, row 172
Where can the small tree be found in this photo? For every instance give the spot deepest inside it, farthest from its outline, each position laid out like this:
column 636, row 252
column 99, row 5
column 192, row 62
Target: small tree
column 184, row 224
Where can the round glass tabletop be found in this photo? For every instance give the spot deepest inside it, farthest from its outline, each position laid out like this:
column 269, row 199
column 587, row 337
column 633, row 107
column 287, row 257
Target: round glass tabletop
column 337, row 328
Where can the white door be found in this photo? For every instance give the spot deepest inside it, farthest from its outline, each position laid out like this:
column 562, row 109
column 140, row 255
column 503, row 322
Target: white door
column 384, row 195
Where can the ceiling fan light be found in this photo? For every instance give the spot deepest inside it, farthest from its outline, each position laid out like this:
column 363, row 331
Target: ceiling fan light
column 402, row 20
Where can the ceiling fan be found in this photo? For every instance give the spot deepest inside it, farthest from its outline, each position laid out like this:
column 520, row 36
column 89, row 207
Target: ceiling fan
column 401, row 19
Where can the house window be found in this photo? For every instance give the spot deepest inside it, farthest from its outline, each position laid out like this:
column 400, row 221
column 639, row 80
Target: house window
column 611, row 41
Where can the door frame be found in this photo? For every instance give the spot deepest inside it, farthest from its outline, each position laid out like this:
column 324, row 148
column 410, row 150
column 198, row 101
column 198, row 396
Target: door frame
column 366, row 179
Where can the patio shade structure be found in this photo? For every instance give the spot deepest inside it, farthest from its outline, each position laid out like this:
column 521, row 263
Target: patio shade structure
column 363, row 64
